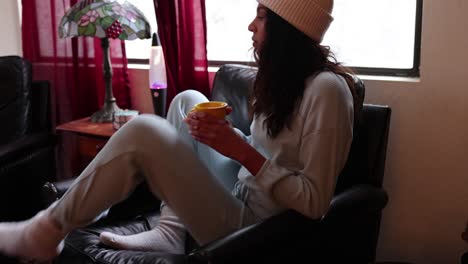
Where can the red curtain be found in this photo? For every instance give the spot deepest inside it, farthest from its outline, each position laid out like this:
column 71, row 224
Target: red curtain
column 182, row 30
column 72, row 65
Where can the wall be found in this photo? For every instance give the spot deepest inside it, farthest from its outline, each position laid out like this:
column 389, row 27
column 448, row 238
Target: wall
column 10, row 28
column 141, row 99
column 427, row 168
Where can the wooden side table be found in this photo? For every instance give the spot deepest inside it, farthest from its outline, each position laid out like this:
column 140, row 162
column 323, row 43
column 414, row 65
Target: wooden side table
column 91, row 136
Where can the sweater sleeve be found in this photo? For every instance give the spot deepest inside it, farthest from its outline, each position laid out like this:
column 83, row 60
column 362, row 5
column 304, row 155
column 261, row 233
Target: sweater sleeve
column 327, row 113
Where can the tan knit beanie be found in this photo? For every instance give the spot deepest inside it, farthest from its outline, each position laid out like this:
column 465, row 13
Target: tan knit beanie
column 312, row 17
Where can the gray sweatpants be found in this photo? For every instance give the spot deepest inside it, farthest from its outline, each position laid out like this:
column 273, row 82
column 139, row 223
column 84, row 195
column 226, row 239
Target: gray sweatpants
column 191, row 178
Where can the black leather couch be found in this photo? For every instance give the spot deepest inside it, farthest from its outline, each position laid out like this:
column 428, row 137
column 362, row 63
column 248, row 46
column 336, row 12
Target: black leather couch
column 347, row 234
column 27, row 158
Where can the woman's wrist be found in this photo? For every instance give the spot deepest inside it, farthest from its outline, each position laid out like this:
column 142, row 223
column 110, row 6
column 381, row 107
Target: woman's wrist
column 250, row 158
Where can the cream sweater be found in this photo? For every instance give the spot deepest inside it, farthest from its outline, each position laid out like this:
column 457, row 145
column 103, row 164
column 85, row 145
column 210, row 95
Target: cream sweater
column 303, row 162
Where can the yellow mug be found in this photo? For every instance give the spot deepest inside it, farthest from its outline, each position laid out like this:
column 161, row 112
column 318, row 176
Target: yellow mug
column 215, row 108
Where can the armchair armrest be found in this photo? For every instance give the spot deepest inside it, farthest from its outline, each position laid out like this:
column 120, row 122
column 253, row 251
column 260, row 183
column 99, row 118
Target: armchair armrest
column 52, row 191
column 464, row 258
column 279, row 234
column 267, row 238
column 351, row 226
column 13, row 151
column 25, row 164
column 357, row 199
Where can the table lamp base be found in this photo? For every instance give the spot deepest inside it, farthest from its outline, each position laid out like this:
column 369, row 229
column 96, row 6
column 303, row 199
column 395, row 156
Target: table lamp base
column 106, row 114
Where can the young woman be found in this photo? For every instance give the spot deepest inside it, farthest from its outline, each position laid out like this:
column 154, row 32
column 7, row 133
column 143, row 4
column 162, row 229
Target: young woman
column 302, row 105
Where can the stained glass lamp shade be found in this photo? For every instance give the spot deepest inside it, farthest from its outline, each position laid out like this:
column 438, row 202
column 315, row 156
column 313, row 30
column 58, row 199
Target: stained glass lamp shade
column 104, row 19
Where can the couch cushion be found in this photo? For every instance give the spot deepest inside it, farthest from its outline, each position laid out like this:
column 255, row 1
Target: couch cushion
column 82, row 246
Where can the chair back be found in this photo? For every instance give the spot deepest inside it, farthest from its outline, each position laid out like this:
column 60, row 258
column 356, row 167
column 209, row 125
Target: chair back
column 41, row 103
column 15, row 98
column 366, row 160
column 352, row 225
column 232, row 84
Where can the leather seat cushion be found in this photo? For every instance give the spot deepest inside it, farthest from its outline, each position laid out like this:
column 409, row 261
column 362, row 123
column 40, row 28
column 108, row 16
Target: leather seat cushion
column 83, row 246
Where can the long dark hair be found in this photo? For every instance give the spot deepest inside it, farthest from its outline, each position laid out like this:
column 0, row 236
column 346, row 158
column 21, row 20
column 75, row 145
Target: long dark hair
column 286, row 58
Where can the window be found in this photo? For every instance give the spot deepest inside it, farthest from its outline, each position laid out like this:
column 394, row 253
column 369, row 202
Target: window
column 372, row 36
column 228, row 38
column 383, row 35
column 140, row 48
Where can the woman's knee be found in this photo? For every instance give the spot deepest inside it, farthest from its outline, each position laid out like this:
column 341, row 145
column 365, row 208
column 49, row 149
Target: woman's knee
column 188, row 98
column 148, row 126
column 190, row 95
column 182, row 104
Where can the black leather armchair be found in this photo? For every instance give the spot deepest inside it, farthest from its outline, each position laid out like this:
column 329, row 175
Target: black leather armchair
column 26, row 141
column 348, row 232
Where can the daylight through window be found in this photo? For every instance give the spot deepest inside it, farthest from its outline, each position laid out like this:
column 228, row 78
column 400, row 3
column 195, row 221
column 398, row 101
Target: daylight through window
column 373, row 36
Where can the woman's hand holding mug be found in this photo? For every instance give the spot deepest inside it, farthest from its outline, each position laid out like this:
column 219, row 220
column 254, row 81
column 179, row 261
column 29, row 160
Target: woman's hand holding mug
column 207, row 125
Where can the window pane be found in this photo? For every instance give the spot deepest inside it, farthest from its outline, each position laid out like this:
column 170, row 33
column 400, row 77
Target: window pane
column 140, row 48
column 373, row 33
column 228, row 37
column 365, row 33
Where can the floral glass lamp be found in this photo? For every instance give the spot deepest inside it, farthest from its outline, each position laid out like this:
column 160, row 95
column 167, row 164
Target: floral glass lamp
column 104, row 19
